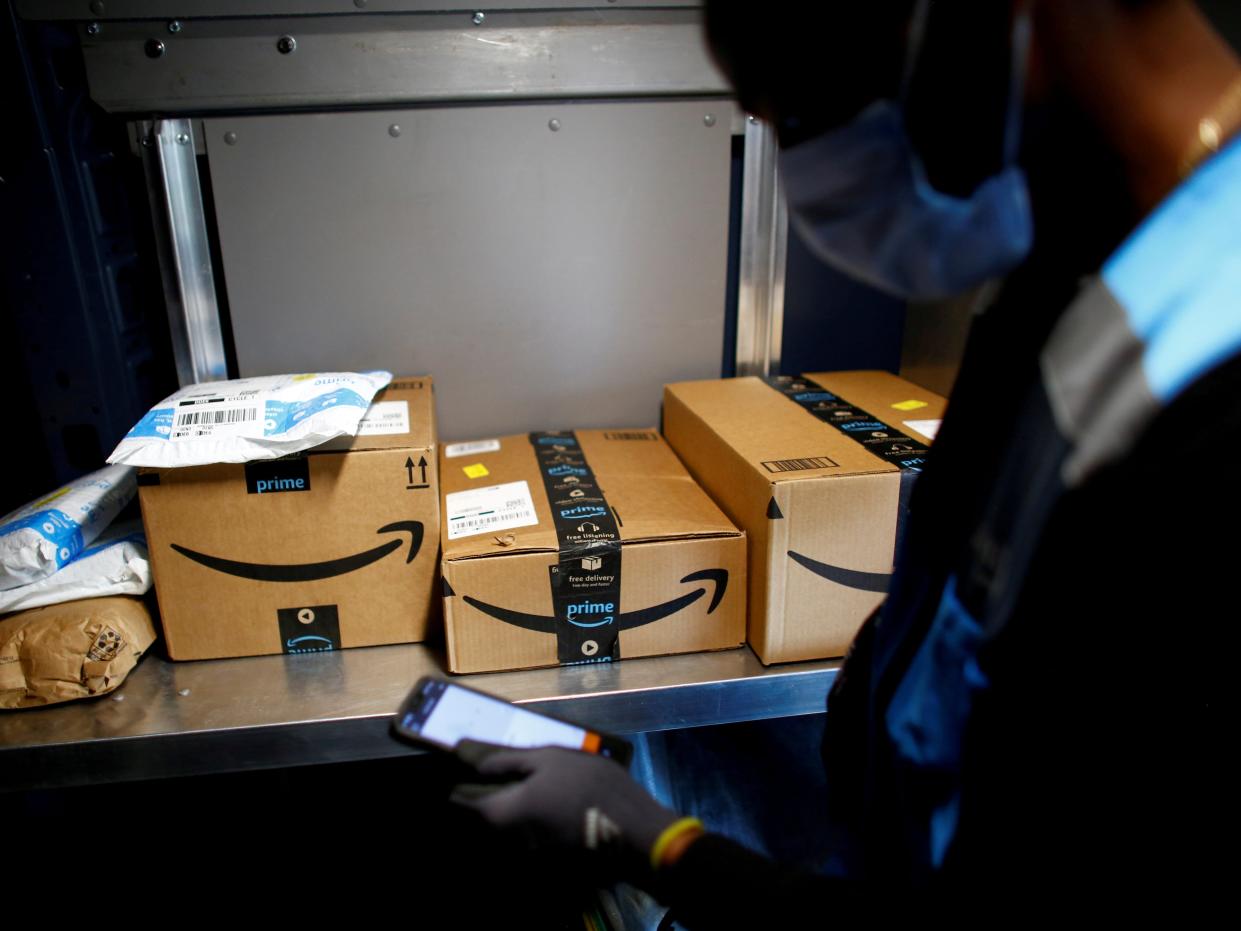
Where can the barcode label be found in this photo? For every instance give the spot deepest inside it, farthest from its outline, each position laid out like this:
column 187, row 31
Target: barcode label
column 236, row 415
column 800, row 465
column 487, row 510
column 453, row 450
column 635, row 435
column 385, row 417
column 501, row 520
column 209, row 420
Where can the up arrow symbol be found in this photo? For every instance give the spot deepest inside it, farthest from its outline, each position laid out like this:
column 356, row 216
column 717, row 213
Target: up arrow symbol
column 409, row 470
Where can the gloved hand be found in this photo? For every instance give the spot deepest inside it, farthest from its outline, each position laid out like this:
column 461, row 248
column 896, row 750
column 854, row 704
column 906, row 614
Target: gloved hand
column 569, row 800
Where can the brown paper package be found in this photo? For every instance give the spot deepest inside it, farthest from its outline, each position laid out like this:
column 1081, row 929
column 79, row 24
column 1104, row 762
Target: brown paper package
column 72, row 650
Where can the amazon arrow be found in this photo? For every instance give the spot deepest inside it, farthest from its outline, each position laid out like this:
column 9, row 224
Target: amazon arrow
column 850, row 578
column 312, row 571
column 626, row 621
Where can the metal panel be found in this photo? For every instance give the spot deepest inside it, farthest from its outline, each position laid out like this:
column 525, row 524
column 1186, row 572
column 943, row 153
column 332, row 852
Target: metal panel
column 333, row 61
column 551, row 265
column 764, row 239
column 182, row 10
column 832, row 322
column 176, row 719
column 184, row 252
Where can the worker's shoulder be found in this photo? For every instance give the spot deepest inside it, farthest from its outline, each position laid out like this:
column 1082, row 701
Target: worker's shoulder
column 1195, row 439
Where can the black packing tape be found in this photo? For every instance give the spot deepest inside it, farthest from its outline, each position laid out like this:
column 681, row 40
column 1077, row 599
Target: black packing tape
column 875, row 436
column 309, row 629
column 586, row 578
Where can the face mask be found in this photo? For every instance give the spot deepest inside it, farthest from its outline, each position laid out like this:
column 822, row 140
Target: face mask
column 859, row 197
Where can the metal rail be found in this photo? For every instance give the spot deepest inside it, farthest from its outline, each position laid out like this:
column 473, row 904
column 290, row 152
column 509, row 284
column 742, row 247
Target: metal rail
column 180, row 719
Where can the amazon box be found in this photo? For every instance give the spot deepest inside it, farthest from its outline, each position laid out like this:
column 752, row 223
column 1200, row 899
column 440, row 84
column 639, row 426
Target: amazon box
column 816, row 470
column 583, row 547
column 335, row 547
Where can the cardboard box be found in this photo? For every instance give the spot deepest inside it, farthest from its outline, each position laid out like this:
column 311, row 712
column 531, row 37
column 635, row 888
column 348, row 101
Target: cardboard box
column 816, row 470
column 586, row 546
column 336, row 547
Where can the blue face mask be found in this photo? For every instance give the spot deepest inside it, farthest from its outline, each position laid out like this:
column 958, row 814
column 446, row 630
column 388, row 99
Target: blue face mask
column 859, row 197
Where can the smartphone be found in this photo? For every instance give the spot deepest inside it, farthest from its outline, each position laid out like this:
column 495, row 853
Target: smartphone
column 443, row 713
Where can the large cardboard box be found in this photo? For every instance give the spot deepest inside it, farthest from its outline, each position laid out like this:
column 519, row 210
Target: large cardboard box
column 816, row 470
column 583, row 547
column 336, row 547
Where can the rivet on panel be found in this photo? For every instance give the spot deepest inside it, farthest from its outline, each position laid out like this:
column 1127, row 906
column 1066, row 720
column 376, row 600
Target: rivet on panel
column 553, row 125
column 183, row 138
column 479, row 17
column 96, row 7
column 285, row 45
column 709, row 119
column 154, row 48
column 394, row 130
column 93, row 29
column 175, row 26
column 230, row 138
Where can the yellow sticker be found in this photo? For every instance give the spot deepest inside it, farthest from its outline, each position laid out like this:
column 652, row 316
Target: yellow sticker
column 909, row 405
column 59, row 493
column 477, row 470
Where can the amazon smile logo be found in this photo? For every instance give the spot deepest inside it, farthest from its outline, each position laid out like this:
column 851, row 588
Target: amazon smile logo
column 313, row 571
column 850, row 578
column 624, row 620
column 309, row 643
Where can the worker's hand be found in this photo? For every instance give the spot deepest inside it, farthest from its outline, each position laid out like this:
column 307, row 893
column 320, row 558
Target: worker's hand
column 566, row 799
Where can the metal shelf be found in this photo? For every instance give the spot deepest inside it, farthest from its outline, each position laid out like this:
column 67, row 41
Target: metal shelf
column 183, row 719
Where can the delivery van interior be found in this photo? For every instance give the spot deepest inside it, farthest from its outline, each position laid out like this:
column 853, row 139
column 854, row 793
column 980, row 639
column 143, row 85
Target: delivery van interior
column 353, row 345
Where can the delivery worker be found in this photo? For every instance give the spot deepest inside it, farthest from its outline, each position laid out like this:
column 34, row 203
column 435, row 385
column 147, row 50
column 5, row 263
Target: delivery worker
column 1035, row 712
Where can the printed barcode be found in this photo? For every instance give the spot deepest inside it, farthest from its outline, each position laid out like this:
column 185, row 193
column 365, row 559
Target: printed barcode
column 629, row 436
column 480, row 522
column 233, row 415
column 798, row 465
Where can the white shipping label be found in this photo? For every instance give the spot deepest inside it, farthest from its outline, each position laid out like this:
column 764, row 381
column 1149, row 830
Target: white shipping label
column 217, row 416
column 385, row 417
column 453, row 450
column 927, row 428
column 485, row 510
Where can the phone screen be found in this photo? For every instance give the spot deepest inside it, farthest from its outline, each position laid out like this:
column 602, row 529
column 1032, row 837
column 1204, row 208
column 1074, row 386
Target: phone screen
column 449, row 714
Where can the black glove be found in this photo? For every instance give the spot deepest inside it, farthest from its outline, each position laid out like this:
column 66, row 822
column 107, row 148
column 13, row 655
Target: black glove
column 568, row 800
